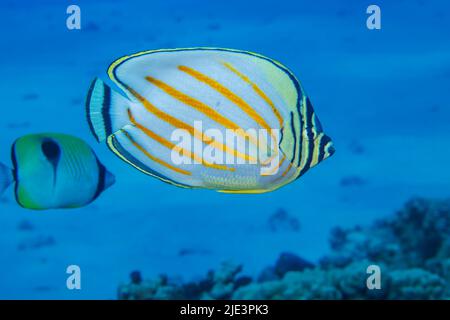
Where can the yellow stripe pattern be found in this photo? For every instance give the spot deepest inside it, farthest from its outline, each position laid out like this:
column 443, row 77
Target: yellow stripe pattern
column 151, row 157
column 274, row 170
column 257, row 89
column 287, row 169
column 170, row 145
column 180, row 124
column 244, row 106
column 206, row 110
column 226, row 93
column 316, row 151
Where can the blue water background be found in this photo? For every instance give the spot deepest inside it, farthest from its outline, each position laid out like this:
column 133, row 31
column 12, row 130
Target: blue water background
column 383, row 96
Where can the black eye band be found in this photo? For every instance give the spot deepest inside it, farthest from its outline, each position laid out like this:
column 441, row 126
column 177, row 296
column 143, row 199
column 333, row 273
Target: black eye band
column 51, row 150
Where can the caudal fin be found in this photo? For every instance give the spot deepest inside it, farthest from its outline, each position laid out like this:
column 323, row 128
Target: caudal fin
column 106, row 110
column 6, row 178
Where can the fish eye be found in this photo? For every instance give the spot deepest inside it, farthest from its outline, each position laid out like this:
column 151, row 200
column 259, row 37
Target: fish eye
column 51, row 149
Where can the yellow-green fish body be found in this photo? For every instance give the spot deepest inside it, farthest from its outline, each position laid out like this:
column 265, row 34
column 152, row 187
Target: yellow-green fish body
column 53, row 170
column 207, row 93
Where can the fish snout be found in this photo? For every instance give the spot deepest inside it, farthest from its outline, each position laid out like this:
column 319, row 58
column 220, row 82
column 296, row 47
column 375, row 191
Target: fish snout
column 110, row 179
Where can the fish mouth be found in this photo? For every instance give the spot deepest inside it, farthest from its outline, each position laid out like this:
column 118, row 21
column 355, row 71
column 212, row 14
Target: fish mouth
column 326, row 147
column 331, row 150
column 110, row 179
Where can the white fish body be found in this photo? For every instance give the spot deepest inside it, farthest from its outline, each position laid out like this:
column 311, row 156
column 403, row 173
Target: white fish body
column 195, row 101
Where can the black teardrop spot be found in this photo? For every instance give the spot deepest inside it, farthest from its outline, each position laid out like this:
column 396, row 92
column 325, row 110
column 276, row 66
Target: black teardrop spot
column 51, row 150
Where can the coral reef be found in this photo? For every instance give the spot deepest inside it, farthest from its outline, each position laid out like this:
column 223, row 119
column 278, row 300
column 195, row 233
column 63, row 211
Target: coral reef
column 286, row 262
column 418, row 236
column 219, row 284
column 411, row 249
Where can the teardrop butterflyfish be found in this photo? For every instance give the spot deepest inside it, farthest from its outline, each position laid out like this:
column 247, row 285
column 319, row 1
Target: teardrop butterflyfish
column 54, row 171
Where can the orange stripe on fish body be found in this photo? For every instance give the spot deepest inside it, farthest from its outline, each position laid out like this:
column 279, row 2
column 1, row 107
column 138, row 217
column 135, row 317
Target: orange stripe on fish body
column 170, row 145
column 223, row 89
